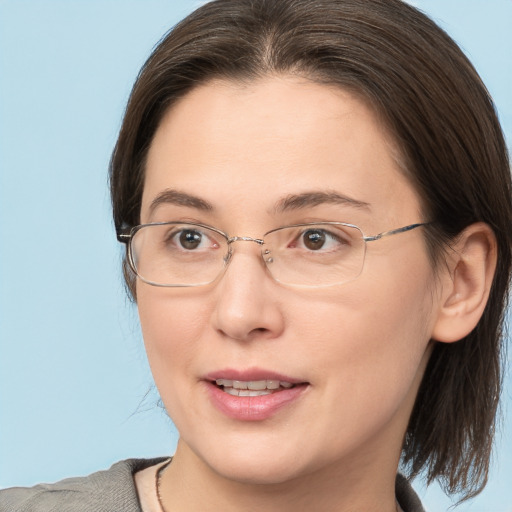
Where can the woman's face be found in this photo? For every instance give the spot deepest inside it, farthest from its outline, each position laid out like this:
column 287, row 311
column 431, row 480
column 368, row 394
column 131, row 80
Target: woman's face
column 354, row 352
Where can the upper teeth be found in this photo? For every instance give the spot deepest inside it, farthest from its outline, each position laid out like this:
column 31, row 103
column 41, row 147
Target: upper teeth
column 255, row 385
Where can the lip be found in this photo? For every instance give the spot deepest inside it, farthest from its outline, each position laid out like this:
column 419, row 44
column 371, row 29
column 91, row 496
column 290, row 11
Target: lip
column 252, row 408
column 250, row 374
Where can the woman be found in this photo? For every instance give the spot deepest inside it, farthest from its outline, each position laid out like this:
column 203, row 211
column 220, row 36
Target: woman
column 315, row 199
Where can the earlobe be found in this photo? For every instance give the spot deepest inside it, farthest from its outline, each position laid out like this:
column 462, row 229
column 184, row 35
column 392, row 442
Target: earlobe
column 466, row 283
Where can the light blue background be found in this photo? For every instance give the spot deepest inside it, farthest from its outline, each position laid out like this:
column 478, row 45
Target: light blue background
column 75, row 390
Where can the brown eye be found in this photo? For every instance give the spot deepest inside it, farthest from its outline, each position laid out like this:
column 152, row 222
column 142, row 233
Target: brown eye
column 314, row 239
column 190, row 239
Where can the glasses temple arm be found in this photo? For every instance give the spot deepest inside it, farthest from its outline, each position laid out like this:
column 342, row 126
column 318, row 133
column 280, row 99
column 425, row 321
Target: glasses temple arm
column 123, row 234
column 395, row 231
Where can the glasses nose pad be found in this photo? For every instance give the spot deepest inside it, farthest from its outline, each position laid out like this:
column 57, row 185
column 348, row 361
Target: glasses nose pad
column 227, row 257
column 267, row 257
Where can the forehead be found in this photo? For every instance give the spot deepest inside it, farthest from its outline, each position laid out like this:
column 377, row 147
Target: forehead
column 253, row 144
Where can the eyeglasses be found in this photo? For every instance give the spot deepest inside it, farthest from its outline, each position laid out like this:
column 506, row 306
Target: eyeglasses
column 308, row 255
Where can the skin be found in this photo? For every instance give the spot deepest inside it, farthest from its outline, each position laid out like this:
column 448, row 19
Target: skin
column 362, row 346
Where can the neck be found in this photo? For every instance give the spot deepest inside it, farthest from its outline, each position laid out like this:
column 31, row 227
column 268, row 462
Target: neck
column 188, row 484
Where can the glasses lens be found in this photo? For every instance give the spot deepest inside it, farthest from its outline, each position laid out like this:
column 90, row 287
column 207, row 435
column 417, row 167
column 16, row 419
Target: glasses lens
column 173, row 254
column 315, row 255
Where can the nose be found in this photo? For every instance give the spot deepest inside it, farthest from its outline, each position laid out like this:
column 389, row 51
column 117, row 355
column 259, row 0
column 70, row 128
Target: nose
column 246, row 300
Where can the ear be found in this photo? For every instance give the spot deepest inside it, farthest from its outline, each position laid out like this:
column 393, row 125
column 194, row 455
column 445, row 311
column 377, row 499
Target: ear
column 466, row 283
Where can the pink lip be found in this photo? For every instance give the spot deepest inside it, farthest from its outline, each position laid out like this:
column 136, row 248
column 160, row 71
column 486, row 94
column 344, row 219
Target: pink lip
column 252, row 408
column 250, row 374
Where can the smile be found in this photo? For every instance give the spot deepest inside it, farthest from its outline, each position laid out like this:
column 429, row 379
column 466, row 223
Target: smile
column 252, row 387
column 253, row 394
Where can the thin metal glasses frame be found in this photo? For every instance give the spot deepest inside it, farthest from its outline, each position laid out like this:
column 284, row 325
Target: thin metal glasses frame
column 125, row 235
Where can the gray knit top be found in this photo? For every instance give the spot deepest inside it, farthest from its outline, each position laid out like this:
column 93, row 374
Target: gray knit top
column 113, row 490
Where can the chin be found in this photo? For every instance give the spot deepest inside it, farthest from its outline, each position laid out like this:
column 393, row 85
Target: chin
column 257, row 464
column 259, row 472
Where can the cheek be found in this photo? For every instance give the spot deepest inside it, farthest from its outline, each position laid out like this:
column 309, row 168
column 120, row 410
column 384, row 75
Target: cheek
column 374, row 332
column 389, row 338
column 172, row 325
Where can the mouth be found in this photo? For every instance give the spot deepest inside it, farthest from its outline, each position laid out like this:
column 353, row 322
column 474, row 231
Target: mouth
column 253, row 394
column 252, row 387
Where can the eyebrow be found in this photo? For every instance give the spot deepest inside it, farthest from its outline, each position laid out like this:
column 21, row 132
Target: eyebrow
column 290, row 202
column 317, row 198
column 170, row 196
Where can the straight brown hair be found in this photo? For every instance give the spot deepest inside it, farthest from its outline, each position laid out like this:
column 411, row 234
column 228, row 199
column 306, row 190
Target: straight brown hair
column 452, row 149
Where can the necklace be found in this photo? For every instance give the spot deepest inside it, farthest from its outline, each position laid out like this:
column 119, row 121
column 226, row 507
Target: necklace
column 162, row 468
column 158, row 478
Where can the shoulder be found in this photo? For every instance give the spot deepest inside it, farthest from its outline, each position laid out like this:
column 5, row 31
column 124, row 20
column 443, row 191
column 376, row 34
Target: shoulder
column 105, row 491
column 406, row 496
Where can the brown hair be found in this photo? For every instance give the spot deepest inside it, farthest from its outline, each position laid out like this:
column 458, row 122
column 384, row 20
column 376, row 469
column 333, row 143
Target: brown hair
column 452, row 149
